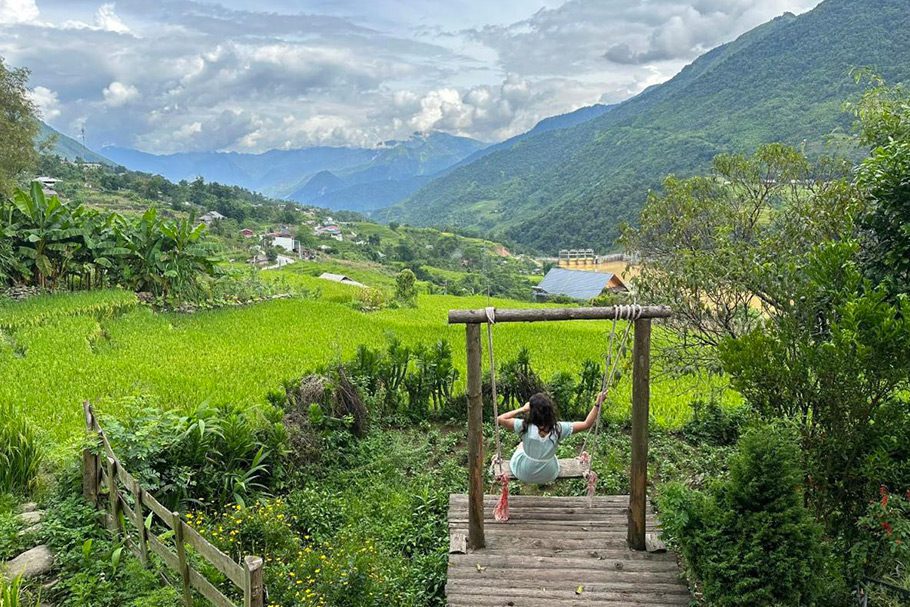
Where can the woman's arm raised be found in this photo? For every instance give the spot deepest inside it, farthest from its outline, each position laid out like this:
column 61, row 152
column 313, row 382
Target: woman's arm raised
column 592, row 416
column 506, row 419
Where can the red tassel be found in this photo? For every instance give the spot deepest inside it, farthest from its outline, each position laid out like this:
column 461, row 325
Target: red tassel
column 501, row 511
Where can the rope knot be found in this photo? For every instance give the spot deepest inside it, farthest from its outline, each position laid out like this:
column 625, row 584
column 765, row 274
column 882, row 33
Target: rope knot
column 491, row 315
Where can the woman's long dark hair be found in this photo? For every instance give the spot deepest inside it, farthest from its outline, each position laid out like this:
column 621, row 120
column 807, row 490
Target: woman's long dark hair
column 542, row 414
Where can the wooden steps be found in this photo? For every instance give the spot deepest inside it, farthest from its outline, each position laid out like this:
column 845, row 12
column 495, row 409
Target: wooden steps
column 558, row 551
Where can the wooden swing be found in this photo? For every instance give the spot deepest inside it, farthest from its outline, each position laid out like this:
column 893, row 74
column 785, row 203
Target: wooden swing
column 569, row 467
column 472, row 319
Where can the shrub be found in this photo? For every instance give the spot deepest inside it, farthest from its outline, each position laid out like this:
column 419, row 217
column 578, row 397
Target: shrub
column 749, row 540
column 210, row 456
column 713, row 423
column 884, row 551
column 21, row 453
column 406, row 288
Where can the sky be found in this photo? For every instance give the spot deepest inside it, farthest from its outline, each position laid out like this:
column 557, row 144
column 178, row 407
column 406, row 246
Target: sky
column 170, row 76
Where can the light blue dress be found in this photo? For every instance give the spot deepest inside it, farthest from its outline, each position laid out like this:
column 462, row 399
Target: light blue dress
column 536, row 461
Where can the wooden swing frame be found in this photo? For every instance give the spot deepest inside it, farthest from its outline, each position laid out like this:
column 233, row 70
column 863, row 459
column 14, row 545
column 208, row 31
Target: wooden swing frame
column 641, row 395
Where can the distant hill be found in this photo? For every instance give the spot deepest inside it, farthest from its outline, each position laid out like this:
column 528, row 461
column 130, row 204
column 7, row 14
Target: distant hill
column 397, row 170
column 783, row 81
column 274, row 173
column 67, row 147
column 341, row 174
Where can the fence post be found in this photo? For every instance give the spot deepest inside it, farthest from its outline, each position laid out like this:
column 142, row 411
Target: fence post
column 252, row 587
column 140, row 523
column 113, row 496
column 476, row 539
column 89, row 462
column 177, row 524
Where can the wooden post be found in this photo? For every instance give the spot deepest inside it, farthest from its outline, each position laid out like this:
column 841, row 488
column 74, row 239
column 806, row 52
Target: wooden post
column 177, row 524
column 252, row 590
column 139, row 522
column 638, row 495
column 113, row 496
column 476, row 538
column 89, row 462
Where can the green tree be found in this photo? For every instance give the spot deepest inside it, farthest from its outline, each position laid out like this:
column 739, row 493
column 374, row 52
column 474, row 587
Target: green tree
column 716, row 247
column 18, row 127
column 884, row 124
column 406, row 288
column 749, row 540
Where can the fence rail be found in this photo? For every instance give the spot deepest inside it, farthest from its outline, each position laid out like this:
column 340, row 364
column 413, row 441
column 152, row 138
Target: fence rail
column 126, row 519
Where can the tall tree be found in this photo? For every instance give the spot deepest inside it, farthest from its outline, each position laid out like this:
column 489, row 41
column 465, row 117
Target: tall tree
column 18, row 127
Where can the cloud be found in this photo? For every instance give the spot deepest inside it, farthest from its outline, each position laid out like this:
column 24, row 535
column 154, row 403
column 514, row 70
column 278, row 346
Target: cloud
column 18, row 11
column 177, row 75
column 47, row 101
column 117, row 94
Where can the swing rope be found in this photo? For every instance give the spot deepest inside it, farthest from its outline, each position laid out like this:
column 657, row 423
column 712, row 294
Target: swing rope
column 501, row 511
column 611, row 364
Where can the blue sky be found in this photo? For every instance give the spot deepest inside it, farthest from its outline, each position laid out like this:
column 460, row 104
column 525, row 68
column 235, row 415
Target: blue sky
column 198, row 75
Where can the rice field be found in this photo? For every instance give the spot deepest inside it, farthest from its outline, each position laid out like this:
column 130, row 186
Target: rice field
column 57, row 351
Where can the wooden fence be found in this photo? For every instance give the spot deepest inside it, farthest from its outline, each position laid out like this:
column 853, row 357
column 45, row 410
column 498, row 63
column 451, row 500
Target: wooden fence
column 126, row 519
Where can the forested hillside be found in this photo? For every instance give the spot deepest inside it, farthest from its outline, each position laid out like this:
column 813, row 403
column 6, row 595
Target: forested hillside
column 67, row 147
column 784, row 81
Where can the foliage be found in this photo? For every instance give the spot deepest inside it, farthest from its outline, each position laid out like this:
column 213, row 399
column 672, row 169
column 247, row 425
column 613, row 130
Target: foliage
column 714, row 250
column 21, row 451
column 93, row 570
column 18, row 128
column 714, row 424
column 406, row 288
column 208, row 457
column 884, row 549
column 749, row 540
column 10, row 593
column 838, row 364
column 884, row 121
column 68, row 245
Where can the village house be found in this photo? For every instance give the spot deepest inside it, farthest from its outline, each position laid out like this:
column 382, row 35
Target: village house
column 577, row 284
column 211, row 217
column 247, row 233
column 340, row 278
column 48, row 185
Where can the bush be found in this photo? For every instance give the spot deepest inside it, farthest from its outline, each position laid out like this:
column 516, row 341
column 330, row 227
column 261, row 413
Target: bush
column 714, row 424
column 21, row 453
column 210, row 456
column 749, row 540
column 884, row 551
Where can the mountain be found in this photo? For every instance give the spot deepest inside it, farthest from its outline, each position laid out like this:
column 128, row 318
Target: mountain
column 398, row 169
column 571, row 187
column 67, row 147
column 341, row 175
column 274, row 173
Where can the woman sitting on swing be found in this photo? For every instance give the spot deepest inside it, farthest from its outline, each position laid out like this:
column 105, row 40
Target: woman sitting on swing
column 534, row 461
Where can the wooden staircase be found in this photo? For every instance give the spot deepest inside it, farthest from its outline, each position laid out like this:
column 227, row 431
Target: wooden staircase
column 556, row 551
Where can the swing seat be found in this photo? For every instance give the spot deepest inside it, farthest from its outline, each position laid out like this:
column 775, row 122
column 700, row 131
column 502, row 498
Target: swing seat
column 570, row 467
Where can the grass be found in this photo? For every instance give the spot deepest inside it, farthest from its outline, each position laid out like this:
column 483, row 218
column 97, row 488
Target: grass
column 237, row 355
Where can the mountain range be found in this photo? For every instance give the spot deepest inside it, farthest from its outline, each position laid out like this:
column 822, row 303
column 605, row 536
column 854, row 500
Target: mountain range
column 572, row 187
column 573, row 179
column 350, row 178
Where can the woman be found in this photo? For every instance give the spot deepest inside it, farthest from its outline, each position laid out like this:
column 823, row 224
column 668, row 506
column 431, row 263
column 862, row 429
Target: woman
column 534, row 461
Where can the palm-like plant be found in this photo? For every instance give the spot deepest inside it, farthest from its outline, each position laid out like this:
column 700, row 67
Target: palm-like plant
column 44, row 234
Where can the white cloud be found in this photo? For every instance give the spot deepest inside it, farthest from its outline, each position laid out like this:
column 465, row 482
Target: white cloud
column 245, row 75
column 117, row 94
column 47, row 101
column 18, row 11
column 108, row 20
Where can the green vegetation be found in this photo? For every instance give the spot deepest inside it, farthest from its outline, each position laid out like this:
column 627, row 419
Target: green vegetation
column 21, row 452
column 784, row 81
column 18, row 128
column 749, row 539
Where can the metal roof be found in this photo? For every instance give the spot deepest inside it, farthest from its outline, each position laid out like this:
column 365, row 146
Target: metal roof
column 576, row 284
